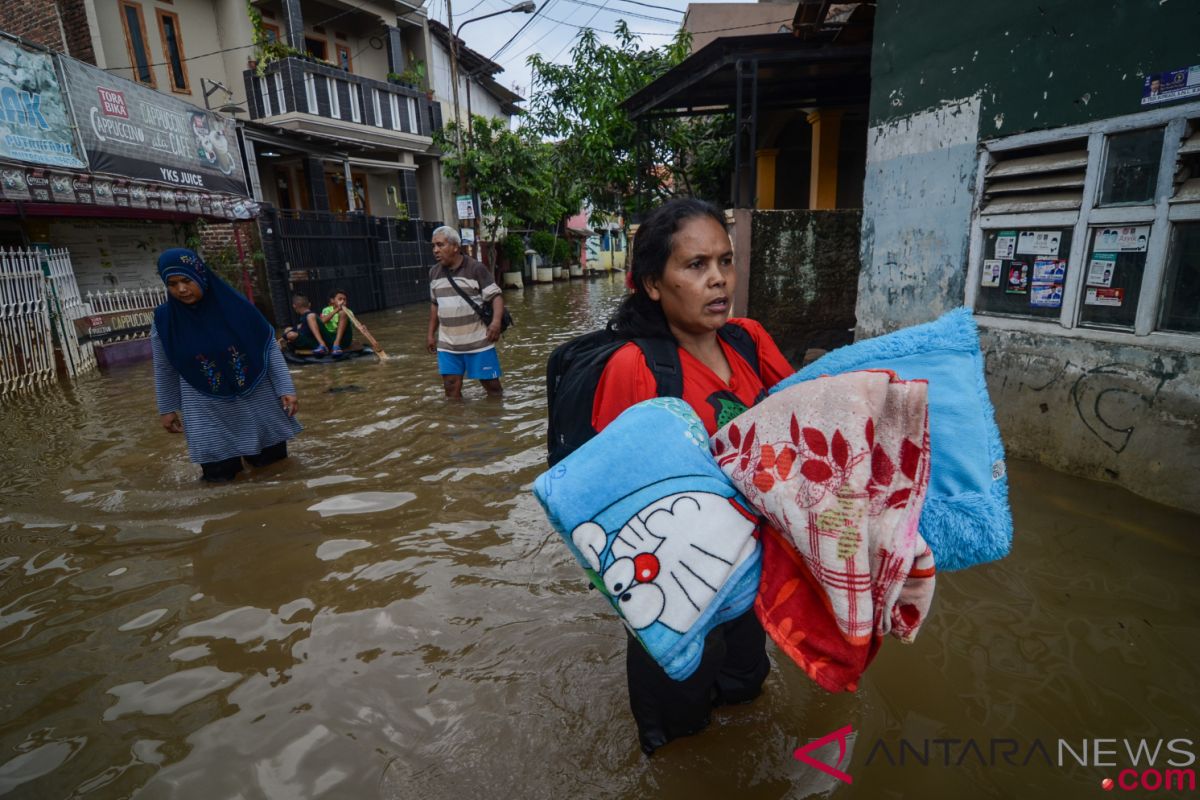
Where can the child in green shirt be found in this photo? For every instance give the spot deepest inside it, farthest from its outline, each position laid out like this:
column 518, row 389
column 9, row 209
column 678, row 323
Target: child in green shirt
column 335, row 327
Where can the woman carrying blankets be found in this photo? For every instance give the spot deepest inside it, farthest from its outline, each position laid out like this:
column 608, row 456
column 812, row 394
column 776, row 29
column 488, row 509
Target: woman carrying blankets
column 216, row 361
column 682, row 282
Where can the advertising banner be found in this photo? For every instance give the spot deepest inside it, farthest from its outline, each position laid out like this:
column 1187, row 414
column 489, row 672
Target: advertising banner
column 131, row 130
column 34, row 124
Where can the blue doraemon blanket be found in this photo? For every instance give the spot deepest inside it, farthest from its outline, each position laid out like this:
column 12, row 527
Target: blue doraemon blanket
column 658, row 528
column 966, row 519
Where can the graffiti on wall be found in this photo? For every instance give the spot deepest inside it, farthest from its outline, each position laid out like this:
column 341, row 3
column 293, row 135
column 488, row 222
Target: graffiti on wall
column 1110, row 399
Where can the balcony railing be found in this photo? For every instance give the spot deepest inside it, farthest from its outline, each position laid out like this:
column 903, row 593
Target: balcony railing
column 295, row 84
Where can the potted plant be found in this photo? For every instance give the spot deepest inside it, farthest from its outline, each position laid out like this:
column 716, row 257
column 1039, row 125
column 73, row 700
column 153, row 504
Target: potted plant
column 514, row 252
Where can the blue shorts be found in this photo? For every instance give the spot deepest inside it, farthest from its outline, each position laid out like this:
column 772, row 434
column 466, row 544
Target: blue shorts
column 481, row 366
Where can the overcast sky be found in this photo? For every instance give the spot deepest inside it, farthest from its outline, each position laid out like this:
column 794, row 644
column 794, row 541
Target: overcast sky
column 554, row 28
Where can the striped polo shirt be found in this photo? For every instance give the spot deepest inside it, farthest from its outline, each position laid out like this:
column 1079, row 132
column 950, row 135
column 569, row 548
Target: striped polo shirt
column 459, row 328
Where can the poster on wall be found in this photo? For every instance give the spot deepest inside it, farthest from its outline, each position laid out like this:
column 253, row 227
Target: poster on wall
column 1100, row 269
column 1130, row 239
column 1006, row 244
column 34, row 126
column 991, row 272
column 1046, row 295
column 1104, row 297
column 1018, row 278
column 1038, row 243
column 1049, row 270
column 1175, row 84
column 132, row 130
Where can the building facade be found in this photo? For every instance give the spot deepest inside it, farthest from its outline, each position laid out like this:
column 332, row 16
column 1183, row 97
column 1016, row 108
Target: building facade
column 1041, row 165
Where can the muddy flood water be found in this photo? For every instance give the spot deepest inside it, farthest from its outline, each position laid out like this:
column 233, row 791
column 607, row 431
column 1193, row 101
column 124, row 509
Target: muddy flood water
column 389, row 615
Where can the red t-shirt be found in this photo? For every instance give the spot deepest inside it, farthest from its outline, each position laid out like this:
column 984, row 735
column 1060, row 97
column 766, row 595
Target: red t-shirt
column 627, row 381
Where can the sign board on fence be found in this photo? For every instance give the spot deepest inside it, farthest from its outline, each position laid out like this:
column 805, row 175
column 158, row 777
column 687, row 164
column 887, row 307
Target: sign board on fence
column 34, row 126
column 130, row 129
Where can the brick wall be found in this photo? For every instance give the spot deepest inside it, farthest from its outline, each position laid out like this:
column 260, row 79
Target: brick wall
column 219, row 246
column 46, row 22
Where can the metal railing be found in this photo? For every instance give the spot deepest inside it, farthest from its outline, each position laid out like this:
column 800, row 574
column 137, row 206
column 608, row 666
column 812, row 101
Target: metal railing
column 137, row 299
column 26, row 348
column 39, row 303
column 296, row 84
column 68, row 306
column 380, row 262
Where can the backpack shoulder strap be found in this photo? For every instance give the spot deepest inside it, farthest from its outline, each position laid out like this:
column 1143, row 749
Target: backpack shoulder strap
column 463, row 294
column 662, row 357
column 743, row 344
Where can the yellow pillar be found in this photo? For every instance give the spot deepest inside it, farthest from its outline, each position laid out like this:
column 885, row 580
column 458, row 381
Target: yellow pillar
column 765, row 179
column 826, row 131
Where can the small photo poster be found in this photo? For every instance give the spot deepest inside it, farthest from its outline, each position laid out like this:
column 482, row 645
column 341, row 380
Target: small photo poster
column 991, row 272
column 1130, row 239
column 1049, row 270
column 1038, row 243
column 1018, row 279
column 1046, row 295
column 1175, row 84
column 1006, row 244
column 1104, row 297
column 464, row 207
column 467, row 235
column 1101, row 268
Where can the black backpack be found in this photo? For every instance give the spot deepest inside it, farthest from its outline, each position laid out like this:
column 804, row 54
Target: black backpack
column 574, row 369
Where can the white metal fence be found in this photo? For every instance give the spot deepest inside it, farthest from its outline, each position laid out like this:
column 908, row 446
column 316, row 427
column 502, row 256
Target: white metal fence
column 67, row 307
column 36, row 308
column 126, row 299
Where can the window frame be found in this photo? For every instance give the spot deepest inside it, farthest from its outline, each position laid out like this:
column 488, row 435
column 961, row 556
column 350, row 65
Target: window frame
column 1160, row 215
column 316, row 37
column 338, row 49
column 159, row 14
column 133, row 65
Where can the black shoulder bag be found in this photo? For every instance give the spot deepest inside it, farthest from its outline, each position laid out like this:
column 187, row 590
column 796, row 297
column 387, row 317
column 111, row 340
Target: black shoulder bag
column 485, row 312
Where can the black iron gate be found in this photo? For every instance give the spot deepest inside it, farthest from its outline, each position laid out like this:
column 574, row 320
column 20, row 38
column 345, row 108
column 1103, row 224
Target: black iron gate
column 379, row 262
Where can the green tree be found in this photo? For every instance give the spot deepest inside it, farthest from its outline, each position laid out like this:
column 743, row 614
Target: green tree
column 513, row 171
column 578, row 105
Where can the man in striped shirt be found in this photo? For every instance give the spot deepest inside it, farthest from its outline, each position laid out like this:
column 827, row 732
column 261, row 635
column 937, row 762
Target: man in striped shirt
column 464, row 345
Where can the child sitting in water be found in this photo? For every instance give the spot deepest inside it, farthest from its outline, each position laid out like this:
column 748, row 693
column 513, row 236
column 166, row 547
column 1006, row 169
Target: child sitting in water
column 305, row 334
column 335, row 328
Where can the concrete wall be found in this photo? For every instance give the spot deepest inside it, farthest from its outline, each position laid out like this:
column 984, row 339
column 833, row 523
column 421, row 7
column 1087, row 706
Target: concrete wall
column 803, row 275
column 917, row 202
column 1111, row 412
column 1113, row 406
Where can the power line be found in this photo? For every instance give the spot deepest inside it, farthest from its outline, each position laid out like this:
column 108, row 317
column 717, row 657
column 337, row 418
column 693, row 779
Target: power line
column 589, row 22
column 472, row 8
column 652, row 5
column 543, row 7
column 659, row 33
column 625, row 13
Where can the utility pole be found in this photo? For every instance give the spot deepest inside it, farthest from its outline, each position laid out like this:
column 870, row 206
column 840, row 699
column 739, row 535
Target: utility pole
column 462, row 175
column 523, row 7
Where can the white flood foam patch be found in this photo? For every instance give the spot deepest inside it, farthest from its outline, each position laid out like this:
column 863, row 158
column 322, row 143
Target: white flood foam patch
column 362, row 503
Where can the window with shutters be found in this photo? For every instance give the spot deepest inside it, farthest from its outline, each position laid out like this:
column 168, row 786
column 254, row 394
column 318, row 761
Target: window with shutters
column 1094, row 228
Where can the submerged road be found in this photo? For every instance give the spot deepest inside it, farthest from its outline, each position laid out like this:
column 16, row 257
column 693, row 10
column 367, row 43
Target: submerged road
column 389, row 615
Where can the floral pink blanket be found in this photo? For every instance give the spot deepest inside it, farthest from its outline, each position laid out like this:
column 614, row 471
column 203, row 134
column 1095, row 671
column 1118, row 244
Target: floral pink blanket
column 839, row 466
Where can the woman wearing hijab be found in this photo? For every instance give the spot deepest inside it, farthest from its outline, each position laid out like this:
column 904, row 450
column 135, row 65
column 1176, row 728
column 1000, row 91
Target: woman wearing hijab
column 216, row 360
